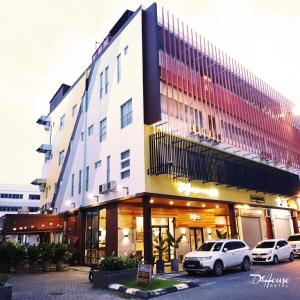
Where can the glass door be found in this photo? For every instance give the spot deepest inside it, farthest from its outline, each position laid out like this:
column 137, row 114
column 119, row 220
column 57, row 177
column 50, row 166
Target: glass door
column 196, row 238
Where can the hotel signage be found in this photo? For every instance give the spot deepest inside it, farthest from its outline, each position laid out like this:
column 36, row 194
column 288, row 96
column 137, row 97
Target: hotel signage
column 257, row 199
column 188, row 189
column 144, row 274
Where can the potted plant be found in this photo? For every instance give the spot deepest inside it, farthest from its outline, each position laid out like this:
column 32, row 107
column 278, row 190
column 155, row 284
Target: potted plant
column 5, row 289
column 114, row 269
column 46, row 254
column 221, row 235
column 175, row 244
column 59, row 251
column 33, row 252
column 19, row 258
column 161, row 248
column 7, row 256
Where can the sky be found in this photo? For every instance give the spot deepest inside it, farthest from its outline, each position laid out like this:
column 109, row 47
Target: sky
column 44, row 43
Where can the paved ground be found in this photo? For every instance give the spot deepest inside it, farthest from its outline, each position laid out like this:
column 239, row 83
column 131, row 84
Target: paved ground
column 233, row 285
column 236, row 285
column 68, row 285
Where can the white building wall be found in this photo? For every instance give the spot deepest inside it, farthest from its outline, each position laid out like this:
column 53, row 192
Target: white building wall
column 87, row 152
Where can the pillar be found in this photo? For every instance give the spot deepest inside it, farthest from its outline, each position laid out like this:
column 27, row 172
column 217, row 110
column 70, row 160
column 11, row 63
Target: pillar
column 270, row 233
column 232, row 220
column 111, row 246
column 295, row 221
column 147, row 225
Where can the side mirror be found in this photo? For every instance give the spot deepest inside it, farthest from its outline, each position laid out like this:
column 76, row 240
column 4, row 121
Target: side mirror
column 225, row 250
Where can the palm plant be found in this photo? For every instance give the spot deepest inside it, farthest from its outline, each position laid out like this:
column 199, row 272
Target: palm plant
column 174, row 242
column 160, row 246
column 221, row 235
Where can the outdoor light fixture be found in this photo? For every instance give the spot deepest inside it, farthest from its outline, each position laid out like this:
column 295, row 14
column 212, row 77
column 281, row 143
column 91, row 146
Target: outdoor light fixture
column 68, row 203
column 14, row 229
column 55, row 209
column 91, row 196
column 217, row 206
column 151, row 201
column 120, row 187
column 126, row 233
column 203, row 205
column 171, row 202
column 188, row 204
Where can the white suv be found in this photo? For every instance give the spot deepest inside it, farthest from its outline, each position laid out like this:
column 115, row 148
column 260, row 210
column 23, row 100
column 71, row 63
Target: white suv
column 294, row 241
column 218, row 255
column 272, row 251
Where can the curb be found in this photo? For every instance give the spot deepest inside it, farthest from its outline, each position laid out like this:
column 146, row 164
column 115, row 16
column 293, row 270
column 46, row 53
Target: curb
column 153, row 293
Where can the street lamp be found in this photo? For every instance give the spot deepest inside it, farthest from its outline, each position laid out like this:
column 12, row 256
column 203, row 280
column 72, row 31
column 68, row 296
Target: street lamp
column 120, row 187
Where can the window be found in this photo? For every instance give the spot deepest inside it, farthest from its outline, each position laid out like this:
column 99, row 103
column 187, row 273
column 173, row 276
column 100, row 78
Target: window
column 90, row 130
column 126, row 113
column 72, row 184
column 87, row 175
column 11, row 196
column 119, row 68
column 125, row 154
column 61, row 157
column 34, row 197
column 103, row 128
column 79, row 182
column 108, row 168
column 74, row 109
column 126, row 50
column 125, row 164
column 82, row 135
column 106, row 80
column 62, row 122
column 125, row 174
column 97, row 164
column 101, row 85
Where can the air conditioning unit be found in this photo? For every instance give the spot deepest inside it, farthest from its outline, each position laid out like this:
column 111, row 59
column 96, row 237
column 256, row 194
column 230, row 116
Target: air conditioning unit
column 102, row 188
column 293, row 214
column 111, row 186
column 268, row 212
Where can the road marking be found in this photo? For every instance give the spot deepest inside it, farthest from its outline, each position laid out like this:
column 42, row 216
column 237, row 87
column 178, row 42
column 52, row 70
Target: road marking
column 233, row 278
column 209, row 283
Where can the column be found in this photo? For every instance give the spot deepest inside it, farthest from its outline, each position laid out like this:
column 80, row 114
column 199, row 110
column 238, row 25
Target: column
column 270, row 233
column 147, row 225
column 232, row 220
column 295, row 221
column 111, row 246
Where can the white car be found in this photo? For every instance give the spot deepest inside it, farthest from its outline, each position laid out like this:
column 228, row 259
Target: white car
column 272, row 251
column 218, row 255
column 294, row 241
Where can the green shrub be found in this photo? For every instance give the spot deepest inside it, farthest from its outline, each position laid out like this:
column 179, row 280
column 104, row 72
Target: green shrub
column 11, row 252
column 19, row 253
column 47, row 251
column 59, row 252
column 33, row 252
column 3, row 278
column 114, row 263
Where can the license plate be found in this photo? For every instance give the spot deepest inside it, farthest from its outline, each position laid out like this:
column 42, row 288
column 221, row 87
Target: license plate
column 191, row 265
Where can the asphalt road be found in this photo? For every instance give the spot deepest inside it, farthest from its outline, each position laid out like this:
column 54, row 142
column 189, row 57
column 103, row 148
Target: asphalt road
column 282, row 282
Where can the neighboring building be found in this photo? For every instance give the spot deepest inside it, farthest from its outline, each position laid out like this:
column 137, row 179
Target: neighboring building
column 19, row 199
column 163, row 133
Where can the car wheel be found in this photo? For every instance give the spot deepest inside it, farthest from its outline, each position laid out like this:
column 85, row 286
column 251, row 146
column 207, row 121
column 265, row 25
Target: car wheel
column 218, row 268
column 292, row 257
column 275, row 260
column 191, row 273
column 246, row 264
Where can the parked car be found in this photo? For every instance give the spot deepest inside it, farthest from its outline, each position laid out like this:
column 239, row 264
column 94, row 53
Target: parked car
column 294, row 241
column 217, row 256
column 272, row 251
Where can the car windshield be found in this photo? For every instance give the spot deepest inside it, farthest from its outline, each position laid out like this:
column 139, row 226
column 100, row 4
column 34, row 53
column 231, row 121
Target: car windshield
column 210, row 246
column 293, row 238
column 266, row 245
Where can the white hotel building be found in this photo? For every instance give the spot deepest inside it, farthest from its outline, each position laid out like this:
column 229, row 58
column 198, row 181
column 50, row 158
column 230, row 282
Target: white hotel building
column 164, row 133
